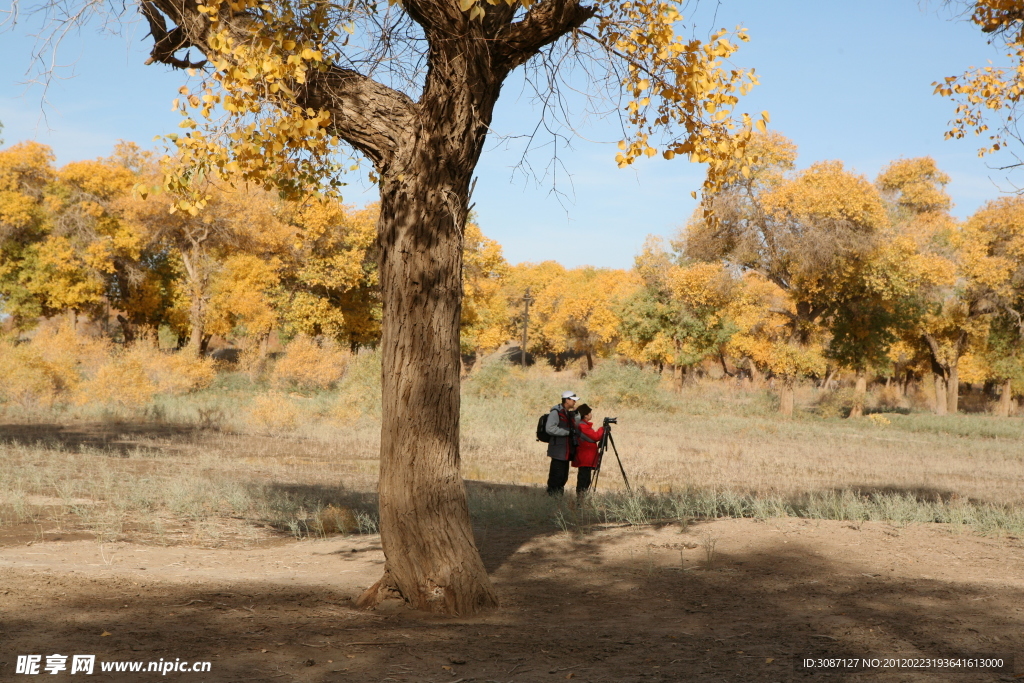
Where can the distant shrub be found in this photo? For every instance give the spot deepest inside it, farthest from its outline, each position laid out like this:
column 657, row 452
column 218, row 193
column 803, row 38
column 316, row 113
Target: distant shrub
column 252, row 361
column 309, row 365
column 492, row 380
column 272, row 413
column 130, row 378
column 28, row 379
column 179, row 372
column 836, row 403
column 71, row 352
column 122, row 382
column 48, row 368
column 624, row 385
column 359, row 393
column 890, row 399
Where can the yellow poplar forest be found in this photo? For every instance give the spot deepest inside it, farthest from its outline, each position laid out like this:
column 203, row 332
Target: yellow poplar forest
column 816, row 275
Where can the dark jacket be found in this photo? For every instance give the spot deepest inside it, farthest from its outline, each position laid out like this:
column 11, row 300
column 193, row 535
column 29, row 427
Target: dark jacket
column 560, row 426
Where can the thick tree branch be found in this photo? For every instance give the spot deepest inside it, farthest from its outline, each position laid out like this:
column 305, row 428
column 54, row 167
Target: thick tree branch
column 933, row 346
column 546, row 22
column 364, row 113
column 440, row 19
column 166, row 43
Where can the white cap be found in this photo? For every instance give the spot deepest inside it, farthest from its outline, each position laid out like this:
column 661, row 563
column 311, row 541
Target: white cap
column 571, row 395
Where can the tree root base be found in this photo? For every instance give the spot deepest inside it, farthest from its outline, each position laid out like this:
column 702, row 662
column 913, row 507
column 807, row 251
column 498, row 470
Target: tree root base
column 387, row 589
column 384, row 589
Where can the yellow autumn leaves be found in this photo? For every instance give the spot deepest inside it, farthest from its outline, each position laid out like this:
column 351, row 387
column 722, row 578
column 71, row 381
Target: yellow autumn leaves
column 682, row 91
column 82, row 239
column 987, row 97
column 266, row 140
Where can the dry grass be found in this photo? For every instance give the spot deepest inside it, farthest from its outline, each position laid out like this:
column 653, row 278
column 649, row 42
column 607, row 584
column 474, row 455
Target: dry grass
column 184, row 487
column 201, row 469
column 722, row 437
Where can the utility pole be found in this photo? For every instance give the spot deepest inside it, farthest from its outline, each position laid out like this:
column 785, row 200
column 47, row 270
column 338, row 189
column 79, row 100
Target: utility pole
column 526, row 323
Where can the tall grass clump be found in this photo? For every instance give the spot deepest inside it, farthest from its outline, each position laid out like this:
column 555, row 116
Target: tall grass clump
column 642, row 508
column 272, row 413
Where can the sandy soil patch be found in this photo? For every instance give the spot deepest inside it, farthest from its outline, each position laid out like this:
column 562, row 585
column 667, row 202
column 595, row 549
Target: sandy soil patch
column 616, row 604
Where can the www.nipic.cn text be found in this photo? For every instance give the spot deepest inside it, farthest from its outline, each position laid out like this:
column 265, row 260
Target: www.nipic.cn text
column 87, row 664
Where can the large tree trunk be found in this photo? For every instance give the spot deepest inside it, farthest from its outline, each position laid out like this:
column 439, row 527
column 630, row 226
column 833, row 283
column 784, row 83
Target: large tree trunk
column 755, row 375
column 860, row 391
column 127, row 330
column 197, row 322
column 426, row 534
column 787, row 397
column 953, row 388
column 1005, row 400
column 725, row 367
column 940, row 393
column 194, row 269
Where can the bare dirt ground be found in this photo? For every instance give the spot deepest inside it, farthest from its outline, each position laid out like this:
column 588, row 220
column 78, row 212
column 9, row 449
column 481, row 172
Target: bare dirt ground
column 615, row 604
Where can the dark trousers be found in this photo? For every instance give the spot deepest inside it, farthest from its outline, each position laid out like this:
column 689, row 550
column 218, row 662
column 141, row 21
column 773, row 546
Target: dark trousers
column 583, row 478
column 558, row 474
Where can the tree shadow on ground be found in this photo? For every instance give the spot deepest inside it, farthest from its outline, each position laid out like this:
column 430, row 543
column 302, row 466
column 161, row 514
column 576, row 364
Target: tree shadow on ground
column 119, row 438
column 504, row 516
column 566, row 609
column 327, row 509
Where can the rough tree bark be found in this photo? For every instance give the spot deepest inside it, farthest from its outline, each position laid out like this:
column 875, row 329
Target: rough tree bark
column 905, row 382
column 432, row 559
column 198, row 298
column 127, row 329
column 756, row 378
column 827, row 384
column 677, row 378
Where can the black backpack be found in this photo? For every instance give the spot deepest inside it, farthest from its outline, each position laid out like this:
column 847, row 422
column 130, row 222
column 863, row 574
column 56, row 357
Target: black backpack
column 542, row 429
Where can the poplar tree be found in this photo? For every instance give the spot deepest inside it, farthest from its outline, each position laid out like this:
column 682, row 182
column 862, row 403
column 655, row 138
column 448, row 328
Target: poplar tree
column 411, row 87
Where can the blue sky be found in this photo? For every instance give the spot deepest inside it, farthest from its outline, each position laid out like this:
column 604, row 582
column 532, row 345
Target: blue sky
column 848, row 81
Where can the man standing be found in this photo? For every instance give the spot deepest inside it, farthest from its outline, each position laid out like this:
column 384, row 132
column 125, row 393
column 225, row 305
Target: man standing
column 561, row 425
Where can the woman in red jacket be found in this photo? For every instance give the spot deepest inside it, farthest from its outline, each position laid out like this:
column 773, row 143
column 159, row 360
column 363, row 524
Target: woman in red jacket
column 586, row 452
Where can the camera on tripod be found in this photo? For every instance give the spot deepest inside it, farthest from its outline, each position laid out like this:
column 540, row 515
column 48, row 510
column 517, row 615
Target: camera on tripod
column 602, row 447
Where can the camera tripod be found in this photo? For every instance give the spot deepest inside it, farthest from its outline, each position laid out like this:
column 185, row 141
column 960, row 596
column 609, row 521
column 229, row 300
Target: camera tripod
column 602, row 446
